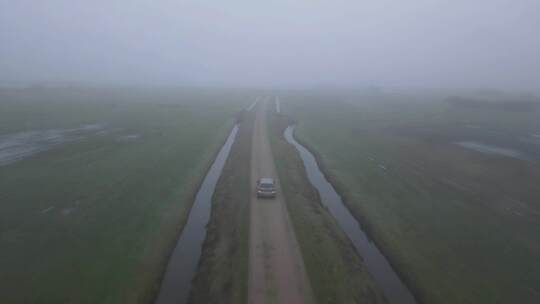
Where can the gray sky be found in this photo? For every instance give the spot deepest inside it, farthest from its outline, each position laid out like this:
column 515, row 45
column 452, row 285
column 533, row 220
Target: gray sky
column 420, row 43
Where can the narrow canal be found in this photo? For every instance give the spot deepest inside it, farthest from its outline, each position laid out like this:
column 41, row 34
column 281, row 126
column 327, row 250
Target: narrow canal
column 394, row 289
column 182, row 266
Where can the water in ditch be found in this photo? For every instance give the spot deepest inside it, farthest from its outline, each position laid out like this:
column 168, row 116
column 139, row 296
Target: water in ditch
column 393, row 287
column 182, row 266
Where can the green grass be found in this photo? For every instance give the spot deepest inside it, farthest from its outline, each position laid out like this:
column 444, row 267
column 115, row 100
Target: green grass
column 336, row 272
column 460, row 226
column 118, row 205
column 223, row 270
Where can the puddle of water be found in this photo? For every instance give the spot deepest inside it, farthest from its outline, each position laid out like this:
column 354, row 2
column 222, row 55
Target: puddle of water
column 251, row 106
column 377, row 264
column 490, row 149
column 530, row 139
column 17, row 146
column 67, row 211
column 278, row 105
column 47, row 209
column 182, row 266
column 88, row 127
column 130, row 137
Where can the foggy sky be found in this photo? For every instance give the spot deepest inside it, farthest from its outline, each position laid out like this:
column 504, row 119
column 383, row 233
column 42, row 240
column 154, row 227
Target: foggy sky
column 420, row 43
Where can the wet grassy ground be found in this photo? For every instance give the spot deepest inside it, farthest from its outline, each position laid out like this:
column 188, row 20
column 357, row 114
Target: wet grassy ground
column 93, row 220
column 336, row 273
column 460, row 226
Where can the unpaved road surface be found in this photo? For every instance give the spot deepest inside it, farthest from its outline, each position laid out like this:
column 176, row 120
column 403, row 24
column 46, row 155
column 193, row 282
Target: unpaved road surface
column 276, row 269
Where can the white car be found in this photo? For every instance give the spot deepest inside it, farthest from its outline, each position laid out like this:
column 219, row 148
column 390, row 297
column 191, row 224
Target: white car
column 266, row 187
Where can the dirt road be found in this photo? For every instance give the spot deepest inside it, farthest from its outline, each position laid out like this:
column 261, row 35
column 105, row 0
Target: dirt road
column 276, row 270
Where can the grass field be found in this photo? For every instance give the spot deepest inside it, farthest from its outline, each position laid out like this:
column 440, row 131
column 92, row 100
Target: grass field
column 460, row 226
column 93, row 214
column 337, row 274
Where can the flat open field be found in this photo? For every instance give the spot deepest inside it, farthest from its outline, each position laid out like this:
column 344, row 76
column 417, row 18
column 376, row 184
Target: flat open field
column 96, row 185
column 448, row 191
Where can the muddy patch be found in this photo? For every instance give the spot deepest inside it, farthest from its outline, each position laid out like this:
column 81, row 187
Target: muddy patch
column 21, row 145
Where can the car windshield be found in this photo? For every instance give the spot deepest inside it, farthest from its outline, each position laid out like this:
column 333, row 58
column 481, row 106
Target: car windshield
column 266, row 186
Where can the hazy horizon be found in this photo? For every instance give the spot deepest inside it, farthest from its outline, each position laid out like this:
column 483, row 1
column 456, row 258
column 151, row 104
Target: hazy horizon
column 421, row 44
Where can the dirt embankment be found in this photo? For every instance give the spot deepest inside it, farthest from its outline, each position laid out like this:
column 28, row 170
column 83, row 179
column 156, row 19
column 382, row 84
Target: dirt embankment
column 337, row 273
column 276, row 270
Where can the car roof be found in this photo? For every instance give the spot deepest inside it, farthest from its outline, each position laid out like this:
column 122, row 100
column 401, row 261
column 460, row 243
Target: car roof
column 266, row 180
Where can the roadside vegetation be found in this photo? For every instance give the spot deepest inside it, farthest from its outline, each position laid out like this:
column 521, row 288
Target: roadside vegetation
column 93, row 215
column 460, row 225
column 223, row 269
column 336, row 272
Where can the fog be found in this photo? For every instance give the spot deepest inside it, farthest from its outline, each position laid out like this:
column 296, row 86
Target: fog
column 420, row 43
